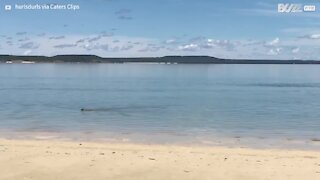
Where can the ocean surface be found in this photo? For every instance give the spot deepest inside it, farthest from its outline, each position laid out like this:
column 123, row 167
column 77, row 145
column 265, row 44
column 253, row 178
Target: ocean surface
column 234, row 105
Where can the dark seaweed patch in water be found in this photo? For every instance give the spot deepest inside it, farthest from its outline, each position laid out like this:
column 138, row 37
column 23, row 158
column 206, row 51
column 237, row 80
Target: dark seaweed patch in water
column 315, row 139
column 123, row 108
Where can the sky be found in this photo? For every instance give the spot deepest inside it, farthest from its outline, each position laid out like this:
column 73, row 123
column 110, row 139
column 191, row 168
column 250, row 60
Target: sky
column 238, row 29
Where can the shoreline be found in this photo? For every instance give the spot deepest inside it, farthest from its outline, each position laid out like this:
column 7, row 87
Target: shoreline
column 175, row 59
column 169, row 139
column 157, row 63
column 56, row 159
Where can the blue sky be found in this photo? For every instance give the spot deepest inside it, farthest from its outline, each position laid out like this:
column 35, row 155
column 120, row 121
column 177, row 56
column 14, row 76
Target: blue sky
column 135, row 28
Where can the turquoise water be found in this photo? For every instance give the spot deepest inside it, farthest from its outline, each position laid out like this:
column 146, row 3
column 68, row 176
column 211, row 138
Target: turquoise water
column 210, row 104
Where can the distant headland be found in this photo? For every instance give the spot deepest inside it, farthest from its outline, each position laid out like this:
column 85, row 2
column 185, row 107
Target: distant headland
column 163, row 60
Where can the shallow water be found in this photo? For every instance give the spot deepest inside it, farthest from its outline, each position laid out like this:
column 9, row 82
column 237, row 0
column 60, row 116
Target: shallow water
column 277, row 105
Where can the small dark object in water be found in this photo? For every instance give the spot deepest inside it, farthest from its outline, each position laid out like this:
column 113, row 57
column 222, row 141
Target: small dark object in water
column 98, row 109
column 118, row 109
column 315, row 139
column 83, row 109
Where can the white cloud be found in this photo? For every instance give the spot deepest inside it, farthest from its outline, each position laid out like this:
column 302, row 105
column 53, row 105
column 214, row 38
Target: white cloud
column 210, row 40
column 27, row 52
column 188, row 47
column 315, row 36
column 171, row 41
column 124, row 14
column 274, row 42
column 29, row 45
column 213, row 43
column 64, row 46
column 295, row 50
column 123, row 46
column 275, row 51
column 57, row 37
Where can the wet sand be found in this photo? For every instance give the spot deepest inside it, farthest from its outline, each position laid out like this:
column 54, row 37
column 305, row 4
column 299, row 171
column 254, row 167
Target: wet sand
column 67, row 160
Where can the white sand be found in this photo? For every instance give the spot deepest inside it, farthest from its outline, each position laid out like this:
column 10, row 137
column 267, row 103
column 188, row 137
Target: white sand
column 48, row 160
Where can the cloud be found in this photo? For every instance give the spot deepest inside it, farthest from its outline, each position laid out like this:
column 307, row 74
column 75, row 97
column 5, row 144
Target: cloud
column 81, row 41
column 126, row 47
column 295, row 50
column 41, row 34
column 123, row 11
column 273, row 42
column 57, row 37
column 24, row 39
column 9, row 43
column 274, row 51
column 106, row 34
column 97, row 38
column 189, row 47
column 311, row 36
column 170, row 41
column 94, row 39
column 197, row 39
column 27, row 52
column 90, row 47
column 29, row 45
column 151, row 48
column 124, row 14
column 211, row 43
column 61, row 46
column 104, row 47
column 125, row 17
column 108, row 45
column 21, row 33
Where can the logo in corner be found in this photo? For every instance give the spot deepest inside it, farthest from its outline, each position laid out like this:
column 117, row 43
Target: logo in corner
column 289, row 8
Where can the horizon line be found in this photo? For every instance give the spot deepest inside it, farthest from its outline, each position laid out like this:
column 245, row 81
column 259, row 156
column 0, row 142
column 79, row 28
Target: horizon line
column 145, row 57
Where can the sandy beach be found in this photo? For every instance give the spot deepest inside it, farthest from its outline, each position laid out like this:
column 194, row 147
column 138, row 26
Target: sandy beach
column 65, row 160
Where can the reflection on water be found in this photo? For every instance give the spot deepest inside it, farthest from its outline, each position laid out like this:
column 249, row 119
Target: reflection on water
column 150, row 102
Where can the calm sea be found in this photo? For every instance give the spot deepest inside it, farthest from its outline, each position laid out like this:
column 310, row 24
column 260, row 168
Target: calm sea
column 243, row 105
